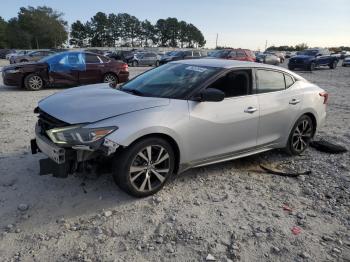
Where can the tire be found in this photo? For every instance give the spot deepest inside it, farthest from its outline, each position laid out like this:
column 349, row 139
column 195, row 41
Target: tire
column 312, row 66
column 135, row 63
column 333, row 65
column 24, row 61
column 291, row 68
column 300, row 136
column 147, row 177
column 110, row 78
column 34, row 82
column 157, row 63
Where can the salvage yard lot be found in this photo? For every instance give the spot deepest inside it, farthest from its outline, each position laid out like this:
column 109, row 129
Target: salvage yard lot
column 231, row 210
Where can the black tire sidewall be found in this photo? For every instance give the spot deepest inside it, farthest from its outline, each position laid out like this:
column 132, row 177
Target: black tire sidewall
column 123, row 160
column 290, row 148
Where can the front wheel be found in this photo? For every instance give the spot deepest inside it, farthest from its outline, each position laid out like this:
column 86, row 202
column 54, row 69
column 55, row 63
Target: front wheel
column 135, row 63
column 33, row 82
column 143, row 168
column 291, row 68
column 333, row 65
column 300, row 136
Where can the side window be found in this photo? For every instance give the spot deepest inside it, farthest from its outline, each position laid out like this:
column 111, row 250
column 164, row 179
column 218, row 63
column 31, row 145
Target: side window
column 188, row 53
column 241, row 53
column 270, row 81
column 104, row 59
column 235, row 83
column 91, row 59
column 289, row 80
column 233, row 54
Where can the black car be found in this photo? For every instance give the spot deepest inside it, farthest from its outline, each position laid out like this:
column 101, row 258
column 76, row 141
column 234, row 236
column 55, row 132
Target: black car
column 180, row 55
column 123, row 55
column 4, row 52
column 311, row 58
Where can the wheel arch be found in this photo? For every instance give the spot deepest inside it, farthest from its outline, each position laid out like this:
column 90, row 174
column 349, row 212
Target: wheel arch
column 174, row 144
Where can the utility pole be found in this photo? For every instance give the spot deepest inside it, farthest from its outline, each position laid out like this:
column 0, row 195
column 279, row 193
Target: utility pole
column 216, row 44
column 265, row 45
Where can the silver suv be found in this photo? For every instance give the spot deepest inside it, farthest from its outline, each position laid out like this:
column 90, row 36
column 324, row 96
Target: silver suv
column 184, row 114
column 145, row 59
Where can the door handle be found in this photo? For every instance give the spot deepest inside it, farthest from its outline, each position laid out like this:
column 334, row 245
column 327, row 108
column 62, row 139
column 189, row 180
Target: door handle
column 250, row 110
column 294, row 101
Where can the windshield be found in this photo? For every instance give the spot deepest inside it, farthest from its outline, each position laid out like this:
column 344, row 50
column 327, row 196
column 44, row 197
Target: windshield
column 172, row 80
column 310, row 52
column 52, row 57
column 220, row 54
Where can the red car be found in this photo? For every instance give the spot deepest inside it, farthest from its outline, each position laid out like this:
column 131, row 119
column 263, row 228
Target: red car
column 68, row 69
column 235, row 54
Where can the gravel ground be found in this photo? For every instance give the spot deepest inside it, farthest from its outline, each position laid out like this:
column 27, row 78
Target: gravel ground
column 225, row 212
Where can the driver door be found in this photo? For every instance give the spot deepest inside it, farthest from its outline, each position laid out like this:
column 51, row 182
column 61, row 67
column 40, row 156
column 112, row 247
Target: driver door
column 219, row 129
column 66, row 70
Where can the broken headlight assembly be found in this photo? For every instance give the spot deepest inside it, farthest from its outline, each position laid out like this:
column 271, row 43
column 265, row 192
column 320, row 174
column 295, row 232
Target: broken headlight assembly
column 79, row 135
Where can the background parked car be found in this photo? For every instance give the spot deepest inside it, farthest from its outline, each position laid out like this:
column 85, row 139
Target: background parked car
column 32, row 56
column 147, row 58
column 4, row 52
column 13, row 52
column 344, row 54
column 19, row 53
column 280, row 55
column 346, row 61
column 312, row 58
column 235, row 54
column 290, row 54
column 268, row 59
column 180, row 55
column 68, row 69
column 123, row 55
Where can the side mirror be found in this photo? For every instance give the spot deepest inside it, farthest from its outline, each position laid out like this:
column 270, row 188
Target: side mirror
column 212, row 95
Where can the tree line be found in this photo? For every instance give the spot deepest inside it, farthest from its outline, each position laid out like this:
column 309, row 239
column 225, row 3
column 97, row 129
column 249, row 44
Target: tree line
column 126, row 30
column 40, row 27
column 43, row 27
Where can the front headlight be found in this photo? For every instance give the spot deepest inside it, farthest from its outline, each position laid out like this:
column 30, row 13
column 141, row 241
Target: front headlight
column 78, row 135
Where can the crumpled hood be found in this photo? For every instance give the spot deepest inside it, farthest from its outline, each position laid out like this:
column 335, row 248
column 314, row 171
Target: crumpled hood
column 88, row 104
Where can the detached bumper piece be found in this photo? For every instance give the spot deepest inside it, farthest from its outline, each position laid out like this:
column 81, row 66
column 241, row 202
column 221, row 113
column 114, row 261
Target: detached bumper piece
column 48, row 166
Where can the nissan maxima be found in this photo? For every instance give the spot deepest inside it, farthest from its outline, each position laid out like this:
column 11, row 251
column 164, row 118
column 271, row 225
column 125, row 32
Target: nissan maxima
column 178, row 116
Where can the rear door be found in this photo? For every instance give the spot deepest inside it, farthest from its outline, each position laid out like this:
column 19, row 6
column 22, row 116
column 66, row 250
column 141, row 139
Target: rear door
column 279, row 105
column 325, row 57
column 93, row 69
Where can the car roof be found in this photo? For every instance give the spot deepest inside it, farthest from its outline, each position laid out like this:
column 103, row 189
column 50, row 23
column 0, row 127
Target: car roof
column 230, row 64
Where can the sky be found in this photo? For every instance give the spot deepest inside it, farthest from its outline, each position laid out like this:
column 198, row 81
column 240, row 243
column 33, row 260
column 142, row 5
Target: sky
column 238, row 23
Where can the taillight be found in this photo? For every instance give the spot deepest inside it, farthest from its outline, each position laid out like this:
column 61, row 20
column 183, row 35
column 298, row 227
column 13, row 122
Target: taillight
column 125, row 67
column 325, row 97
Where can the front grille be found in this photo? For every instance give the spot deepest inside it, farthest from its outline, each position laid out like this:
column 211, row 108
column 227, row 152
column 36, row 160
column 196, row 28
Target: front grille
column 47, row 122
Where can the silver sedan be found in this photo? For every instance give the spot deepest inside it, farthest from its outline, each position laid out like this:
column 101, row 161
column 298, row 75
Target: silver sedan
column 181, row 115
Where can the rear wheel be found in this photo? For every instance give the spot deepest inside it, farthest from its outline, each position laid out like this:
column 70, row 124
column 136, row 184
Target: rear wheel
column 33, row 82
column 333, row 65
column 157, row 63
column 110, row 78
column 300, row 136
column 143, row 168
column 135, row 63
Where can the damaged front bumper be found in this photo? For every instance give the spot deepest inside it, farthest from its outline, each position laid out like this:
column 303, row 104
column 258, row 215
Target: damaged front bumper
column 63, row 161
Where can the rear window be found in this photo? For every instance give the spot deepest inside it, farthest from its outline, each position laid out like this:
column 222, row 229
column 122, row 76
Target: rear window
column 289, row 80
column 91, row 59
column 270, row 81
column 104, row 59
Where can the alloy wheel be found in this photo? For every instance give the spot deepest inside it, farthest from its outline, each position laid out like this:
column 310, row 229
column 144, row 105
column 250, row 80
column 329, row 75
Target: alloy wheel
column 302, row 136
column 149, row 168
column 109, row 78
column 35, row 82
